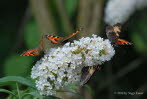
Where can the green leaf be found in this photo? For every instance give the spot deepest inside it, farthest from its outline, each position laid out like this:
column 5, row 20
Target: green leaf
column 17, row 65
column 10, row 79
column 7, row 91
column 18, row 91
column 32, row 34
column 35, row 94
column 73, row 87
column 70, row 6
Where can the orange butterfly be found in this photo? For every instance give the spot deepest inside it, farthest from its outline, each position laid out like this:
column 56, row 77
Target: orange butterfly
column 57, row 40
column 36, row 51
column 87, row 72
column 54, row 39
column 113, row 33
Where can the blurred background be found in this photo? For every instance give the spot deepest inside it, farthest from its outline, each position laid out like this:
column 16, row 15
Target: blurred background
column 22, row 22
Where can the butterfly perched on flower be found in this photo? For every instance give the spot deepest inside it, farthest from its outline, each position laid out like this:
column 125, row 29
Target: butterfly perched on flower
column 54, row 39
column 87, row 72
column 57, row 40
column 36, row 51
column 113, row 33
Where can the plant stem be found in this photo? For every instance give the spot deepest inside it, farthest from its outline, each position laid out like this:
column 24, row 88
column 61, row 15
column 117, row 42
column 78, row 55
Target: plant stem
column 18, row 91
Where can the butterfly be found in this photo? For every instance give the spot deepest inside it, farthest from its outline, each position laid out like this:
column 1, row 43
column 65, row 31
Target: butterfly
column 87, row 72
column 36, row 51
column 57, row 40
column 113, row 33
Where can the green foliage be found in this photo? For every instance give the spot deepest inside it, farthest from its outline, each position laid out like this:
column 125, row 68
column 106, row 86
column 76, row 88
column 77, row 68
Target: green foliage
column 139, row 43
column 7, row 91
column 17, row 93
column 11, row 79
column 32, row 35
column 70, row 6
column 139, row 35
column 73, row 87
column 34, row 93
column 17, row 65
column 21, row 94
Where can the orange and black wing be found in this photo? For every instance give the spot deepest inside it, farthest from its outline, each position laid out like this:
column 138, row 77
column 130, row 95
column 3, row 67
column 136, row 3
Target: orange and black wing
column 113, row 32
column 73, row 34
column 36, row 51
column 123, row 42
column 57, row 40
column 31, row 52
column 54, row 39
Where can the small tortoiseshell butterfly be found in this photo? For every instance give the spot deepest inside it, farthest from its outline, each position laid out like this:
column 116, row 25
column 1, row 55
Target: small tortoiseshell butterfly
column 113, row 33
column 54, row 39
column 36, row 51
column 57, row 40
column 87, row 72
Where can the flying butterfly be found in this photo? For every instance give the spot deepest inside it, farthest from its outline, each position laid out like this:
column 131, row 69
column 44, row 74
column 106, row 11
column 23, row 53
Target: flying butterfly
column 57, row 40
column 113, row 33
column 87, row 72
column 36, row 51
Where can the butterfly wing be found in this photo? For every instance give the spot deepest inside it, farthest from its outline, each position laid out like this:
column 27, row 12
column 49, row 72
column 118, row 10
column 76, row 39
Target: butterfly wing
column 54, row 39
column 73, row 34
column 117, row 28
column 36, row 51
column 31, row 52
column 57, row 40
column 87, row 72
column 123, row 42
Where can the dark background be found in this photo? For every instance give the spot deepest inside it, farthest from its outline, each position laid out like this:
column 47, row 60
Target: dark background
column 22, row 23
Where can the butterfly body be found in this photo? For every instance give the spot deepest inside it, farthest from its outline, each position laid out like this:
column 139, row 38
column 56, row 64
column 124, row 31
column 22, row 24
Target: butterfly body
column 113, row 34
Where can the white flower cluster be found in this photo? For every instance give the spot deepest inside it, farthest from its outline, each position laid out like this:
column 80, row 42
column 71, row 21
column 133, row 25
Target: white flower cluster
column 120, row 10
column 62, row 66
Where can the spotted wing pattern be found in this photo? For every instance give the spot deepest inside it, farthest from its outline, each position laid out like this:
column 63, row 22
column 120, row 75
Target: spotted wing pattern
column 54, row 39
column 57, row 40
